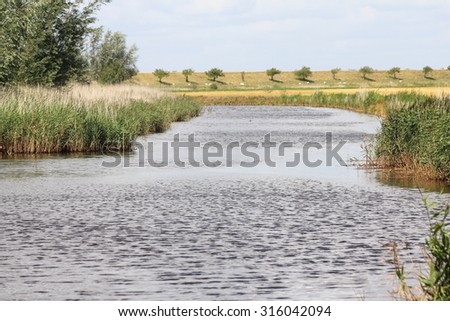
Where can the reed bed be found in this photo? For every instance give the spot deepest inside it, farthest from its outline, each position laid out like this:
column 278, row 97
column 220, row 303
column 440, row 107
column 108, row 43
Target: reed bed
column 415, row 135
column 85, row 118
column 363, row 101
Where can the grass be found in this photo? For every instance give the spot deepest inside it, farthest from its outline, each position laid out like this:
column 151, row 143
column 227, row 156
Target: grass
column 362, row 101
column 287, row 80
column 415, row 135
column 433, row 282
column 85, row 118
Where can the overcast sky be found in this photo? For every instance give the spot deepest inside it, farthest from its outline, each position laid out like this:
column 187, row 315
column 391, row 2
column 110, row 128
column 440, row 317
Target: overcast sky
column 254, row 35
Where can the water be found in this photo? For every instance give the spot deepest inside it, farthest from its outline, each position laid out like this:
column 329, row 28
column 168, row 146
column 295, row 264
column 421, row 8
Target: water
column 75, row 230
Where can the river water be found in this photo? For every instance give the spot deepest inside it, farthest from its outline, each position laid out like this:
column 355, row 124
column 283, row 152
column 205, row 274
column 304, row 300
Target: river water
column 75, row 228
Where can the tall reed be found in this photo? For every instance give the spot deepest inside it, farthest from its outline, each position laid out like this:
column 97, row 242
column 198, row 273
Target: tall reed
column 415, row 134
column 85, row 118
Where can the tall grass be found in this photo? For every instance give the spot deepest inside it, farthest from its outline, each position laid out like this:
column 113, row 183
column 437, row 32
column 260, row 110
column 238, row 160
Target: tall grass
column 415, row 134
column 85, row 118
column 433, row 282
column 363, row 101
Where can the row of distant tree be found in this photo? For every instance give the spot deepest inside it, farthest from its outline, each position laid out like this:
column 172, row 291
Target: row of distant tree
column 53, row 42
column 302, row 74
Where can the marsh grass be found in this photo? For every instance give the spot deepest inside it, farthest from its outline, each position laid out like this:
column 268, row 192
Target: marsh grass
column 415, row 135
column 85, row 118
column 431, row 283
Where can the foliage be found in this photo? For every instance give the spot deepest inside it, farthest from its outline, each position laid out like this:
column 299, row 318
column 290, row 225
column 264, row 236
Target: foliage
column 85, row 119
column 434, row 284
column 186, row 73
column 334, row 72
column 366, row 70
column 415, row 134
column 160, row 74
column 110, row 61
column 214, row 87
column 427, row 70
column 214, row 73
column 243, row 76
column 303, row 74
column 394, row 71
column 43, row 41
column 272, row 72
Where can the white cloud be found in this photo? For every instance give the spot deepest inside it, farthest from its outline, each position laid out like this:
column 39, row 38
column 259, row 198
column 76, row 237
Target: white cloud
column 322, row 33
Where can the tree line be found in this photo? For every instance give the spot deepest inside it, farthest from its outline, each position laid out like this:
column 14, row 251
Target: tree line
column 53, row 43
column 303, row 74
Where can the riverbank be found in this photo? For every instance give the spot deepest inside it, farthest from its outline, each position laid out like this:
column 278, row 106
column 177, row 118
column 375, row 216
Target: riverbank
column 85, row 118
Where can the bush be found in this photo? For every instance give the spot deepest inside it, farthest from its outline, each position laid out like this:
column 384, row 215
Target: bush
column 213, row 87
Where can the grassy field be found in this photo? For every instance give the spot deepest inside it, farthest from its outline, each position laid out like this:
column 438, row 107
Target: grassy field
column 287, row 80
column 85, row 118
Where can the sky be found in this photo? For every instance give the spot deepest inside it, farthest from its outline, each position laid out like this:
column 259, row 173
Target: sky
column 255, row 35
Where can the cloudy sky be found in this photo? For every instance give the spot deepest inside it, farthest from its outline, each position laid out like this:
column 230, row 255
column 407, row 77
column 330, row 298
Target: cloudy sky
column 254, row 35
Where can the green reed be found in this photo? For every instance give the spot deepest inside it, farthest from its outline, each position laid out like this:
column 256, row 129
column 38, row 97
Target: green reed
column 416, row 134
column 50, row 121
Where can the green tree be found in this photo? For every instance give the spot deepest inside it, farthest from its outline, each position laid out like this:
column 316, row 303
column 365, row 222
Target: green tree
column 303, row 74
column 187, row 73
column 334, row 72
column 272, row 73
column 427, row 70
column 214, row 73
column 43, row 41
column 112, row 61
column 393, row 72
column 160, row 74
column 448, row 68
column 366, row 70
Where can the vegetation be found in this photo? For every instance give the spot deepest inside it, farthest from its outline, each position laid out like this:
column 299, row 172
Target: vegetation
column 415, row 134
column 53, row 43
column 334, row 72
column 272, row 73
column 363, row 101
column 43, row 41
column 366, row 70
column 215, row 73
column 186, row 73
column 85, row 118
column 427, row 70
column 160, row 74
column 394, row 71
column 434, row 283
column 287, row 80
column 303, row 74
column 243, row 76
column 110, row 61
